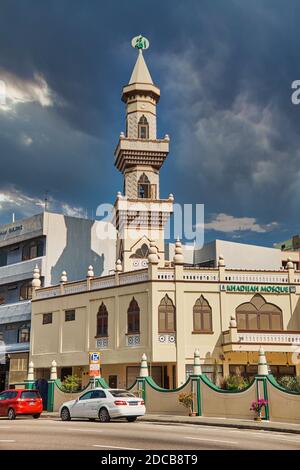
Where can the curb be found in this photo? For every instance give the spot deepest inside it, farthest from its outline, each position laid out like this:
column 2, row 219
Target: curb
column 260, row 427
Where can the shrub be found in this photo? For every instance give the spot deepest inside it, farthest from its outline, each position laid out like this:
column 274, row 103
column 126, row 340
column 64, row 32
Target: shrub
column 290, row 383
column 186, row 399
column 71, row 383
column 234, row 382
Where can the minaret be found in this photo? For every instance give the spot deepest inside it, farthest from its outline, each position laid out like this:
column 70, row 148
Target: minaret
column 140, row 213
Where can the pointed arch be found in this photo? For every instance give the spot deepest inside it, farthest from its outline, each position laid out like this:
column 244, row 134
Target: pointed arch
column 166, row 315
column 141, row 252
column 202, row 316
column 258, row 314
column 143, row 128
column 133, row 317
column 144, row 187
column 102, row 321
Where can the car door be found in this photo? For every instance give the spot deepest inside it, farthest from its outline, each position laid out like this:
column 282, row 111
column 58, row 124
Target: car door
column 80, row 408
column 97, row 399
column 3, row 403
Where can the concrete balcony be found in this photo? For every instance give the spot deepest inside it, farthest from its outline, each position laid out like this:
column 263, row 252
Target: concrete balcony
column 16, row 312
column 20, row 271
column 141, row 151
column 277, row 341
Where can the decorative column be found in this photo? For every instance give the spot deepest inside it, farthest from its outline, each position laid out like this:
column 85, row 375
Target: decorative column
column 36, row 281
column 141, row 380
column 63, row 280
column 89, row 276
column 144, row 367
column 178, row 261
column 51, row 385
column 197, row 365
column 29, row 382
column 118, row 270
column 261, row 381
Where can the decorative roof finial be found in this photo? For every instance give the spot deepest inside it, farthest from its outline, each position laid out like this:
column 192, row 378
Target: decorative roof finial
column 140, row 42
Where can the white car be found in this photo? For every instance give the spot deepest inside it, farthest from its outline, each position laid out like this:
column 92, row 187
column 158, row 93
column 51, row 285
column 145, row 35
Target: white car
column 103, row 404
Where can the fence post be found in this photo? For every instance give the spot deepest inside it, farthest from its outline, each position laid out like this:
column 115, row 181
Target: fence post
column 29, row 382
column 261, row 381
column 196, row 380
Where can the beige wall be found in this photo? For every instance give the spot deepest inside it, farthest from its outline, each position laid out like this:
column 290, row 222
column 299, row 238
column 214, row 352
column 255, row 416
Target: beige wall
column 69, row 342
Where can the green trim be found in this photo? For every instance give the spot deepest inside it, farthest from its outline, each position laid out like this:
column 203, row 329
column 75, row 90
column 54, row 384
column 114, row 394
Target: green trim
column 271, row 379
column 198, row 395
column 214, row 387
column 60, row 387
column 50, row 401
column 267, row 410
column 29, row 384
column 100, row 382
column 156, row 387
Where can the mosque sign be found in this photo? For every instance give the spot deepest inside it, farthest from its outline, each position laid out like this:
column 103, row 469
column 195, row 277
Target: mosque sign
column 139, row 42
column 257, row 289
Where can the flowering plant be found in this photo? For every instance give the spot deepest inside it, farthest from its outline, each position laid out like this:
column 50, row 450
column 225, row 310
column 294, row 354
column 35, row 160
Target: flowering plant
column 258, row 405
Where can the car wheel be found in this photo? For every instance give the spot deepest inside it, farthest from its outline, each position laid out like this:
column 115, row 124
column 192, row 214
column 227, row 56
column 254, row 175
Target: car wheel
column 37, row 415
column 11, row 414
column 65, row 414
column 131, row 419
column 104, row 415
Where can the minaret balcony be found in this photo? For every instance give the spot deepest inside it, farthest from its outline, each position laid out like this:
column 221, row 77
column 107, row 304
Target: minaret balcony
column 131, row 152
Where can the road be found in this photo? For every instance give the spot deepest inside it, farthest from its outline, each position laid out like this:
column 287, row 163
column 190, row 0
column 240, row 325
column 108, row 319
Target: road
column 27, row 433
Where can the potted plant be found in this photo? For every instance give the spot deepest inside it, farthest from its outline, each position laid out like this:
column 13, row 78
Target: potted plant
column 257, row 407
column 187, row 399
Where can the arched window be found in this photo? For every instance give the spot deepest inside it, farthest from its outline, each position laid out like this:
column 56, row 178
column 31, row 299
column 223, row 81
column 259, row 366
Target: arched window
column 133, row 317
column 259, row 315
column 143, row 128
column 141, row 252
column 166, row 316
column 144, row 187
column 202, row 315
column 102, row 321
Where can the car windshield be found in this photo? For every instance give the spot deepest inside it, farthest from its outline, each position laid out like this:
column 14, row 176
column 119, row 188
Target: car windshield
column 122, row 393
column 30, row 394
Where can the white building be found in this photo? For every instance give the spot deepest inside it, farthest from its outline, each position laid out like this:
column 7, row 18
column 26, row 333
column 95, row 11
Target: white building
column 53, row 243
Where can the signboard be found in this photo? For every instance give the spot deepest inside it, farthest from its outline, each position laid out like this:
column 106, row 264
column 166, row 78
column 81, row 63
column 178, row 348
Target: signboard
column 94, row 364
column 24, row 229
column 261, row 289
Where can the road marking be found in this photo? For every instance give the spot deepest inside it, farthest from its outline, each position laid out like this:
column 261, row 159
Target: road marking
column 115, row 447
column 210, row 440
column 6, row 440
column 271, row 436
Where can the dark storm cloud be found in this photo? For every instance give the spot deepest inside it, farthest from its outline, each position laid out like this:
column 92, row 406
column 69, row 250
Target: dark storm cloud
column 225, row 70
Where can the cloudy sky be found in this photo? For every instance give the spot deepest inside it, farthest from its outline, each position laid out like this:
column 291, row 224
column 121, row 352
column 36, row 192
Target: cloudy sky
column 225, row 69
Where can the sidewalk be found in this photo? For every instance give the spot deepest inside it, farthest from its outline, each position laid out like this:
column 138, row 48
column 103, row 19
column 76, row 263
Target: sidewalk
column 205, row 421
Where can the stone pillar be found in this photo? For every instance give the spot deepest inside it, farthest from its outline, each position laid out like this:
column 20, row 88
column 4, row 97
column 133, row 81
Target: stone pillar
column 90, row 274
column 36, row 281
column 29, row 382
column 291, row 271
column 144, row 367
column 63, row 280
column 263, row 369
column 53, row 372
column 197, row 365
column 178, row 261
column 233, row 330
column 118, row 270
